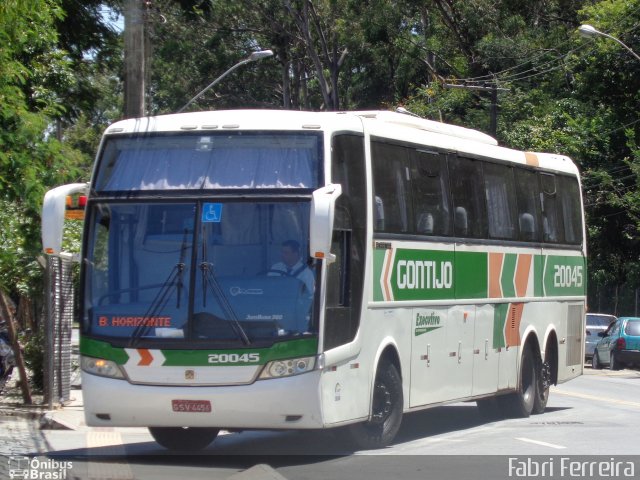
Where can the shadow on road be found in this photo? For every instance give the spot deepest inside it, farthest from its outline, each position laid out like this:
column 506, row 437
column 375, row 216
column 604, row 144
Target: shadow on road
column 242, row 449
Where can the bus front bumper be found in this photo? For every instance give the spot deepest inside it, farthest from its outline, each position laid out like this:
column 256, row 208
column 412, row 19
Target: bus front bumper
column 285, row 403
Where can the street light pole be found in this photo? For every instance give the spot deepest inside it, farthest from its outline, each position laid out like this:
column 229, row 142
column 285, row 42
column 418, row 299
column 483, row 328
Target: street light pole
column 589, row 31
column 251, row 58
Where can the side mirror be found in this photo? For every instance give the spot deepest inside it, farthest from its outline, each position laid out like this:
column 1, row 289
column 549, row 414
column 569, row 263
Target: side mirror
column 321, row 221
column 53, row 209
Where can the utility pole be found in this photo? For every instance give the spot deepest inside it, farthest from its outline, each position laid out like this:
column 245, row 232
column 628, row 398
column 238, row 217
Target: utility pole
column 134, row 59
column 493, row 114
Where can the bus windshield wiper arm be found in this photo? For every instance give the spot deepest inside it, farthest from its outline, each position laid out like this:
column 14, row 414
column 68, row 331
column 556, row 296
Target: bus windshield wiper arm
column 174, row 279
column 209, row 278
column 158, row 303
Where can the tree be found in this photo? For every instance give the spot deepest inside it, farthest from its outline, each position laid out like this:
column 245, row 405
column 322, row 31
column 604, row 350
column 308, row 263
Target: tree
column 31, row 159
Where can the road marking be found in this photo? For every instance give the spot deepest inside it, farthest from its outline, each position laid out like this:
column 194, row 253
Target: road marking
column 544, row 444
column 598, row 398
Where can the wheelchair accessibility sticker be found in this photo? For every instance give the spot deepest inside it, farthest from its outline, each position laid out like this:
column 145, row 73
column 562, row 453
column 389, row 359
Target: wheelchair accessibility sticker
column 211, row 212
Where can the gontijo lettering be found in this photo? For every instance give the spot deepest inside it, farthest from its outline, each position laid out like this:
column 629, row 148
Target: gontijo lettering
column 424, row 274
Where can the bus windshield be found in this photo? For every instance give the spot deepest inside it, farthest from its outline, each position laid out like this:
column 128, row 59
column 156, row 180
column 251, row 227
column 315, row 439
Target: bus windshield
column 211, row 161
column 213, row 271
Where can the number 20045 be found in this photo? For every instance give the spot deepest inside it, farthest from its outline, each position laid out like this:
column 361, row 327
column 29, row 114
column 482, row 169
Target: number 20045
column 567, row 276
column 234, row 358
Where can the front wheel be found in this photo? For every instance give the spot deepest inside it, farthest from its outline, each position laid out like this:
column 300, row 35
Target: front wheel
column 386, row 411
column 183, row 439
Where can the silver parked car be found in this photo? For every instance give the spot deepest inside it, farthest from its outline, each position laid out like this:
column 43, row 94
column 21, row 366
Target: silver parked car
column 596, row 323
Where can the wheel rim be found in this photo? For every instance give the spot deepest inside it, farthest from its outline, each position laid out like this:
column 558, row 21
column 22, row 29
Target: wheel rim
column 382, row 403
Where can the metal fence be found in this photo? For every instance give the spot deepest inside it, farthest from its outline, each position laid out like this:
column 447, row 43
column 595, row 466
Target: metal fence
column 58, row 326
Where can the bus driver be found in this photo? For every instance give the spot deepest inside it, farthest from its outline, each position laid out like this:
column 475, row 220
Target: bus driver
column 292, row 265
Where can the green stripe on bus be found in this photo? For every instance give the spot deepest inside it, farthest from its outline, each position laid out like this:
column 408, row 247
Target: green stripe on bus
column 499, row 320
column 378, row 263
column 302, row 347
column 471, row 273
column 100, row 349
column 447, row 275
column 508, row 275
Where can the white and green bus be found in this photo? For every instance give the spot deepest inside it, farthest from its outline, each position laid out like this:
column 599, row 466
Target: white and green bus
column 429, row 266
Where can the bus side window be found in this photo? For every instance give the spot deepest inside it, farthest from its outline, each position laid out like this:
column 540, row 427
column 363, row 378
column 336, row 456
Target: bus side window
column 345, row 276
column 467, row 192
column 501, row 201
column 528, row 195
column 430, row 188
column 391, row 187
column 552, row 231
column 570, row 206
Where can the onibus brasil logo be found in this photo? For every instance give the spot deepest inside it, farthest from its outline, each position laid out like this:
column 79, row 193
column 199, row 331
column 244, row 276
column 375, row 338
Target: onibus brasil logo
column 36, row 468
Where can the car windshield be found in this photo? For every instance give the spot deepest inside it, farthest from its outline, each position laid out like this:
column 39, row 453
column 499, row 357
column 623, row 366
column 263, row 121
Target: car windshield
column 632, row 328
column 599, row 320
column 223, row 271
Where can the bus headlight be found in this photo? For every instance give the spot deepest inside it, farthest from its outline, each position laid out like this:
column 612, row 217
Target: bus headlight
column 101, row 367
column 288, row 368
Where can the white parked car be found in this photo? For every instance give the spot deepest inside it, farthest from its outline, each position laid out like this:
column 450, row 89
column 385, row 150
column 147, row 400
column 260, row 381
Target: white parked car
column 596, row 323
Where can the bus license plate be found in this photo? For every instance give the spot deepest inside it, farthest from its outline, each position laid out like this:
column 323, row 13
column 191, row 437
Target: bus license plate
column 202, row 406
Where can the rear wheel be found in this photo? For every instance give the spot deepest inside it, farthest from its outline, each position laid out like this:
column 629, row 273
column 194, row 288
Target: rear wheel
column 386, row 411
column 184, row 439
column 543, row 383
column 614, row 363
column 520, row 404
column 595, row 361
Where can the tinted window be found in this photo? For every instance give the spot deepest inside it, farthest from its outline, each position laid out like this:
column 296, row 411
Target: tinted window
column 571, row 210
column 501, row 201
column 467, row 192
column 528, row 194
column 211, row 161
column 391, row 172
column 431, row 194
column 632, row 328
column 552, row 230
column 345, row 276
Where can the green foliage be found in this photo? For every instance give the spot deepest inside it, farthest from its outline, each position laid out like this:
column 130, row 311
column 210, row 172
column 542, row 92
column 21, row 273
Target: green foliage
column 34, row 357
column 61, row 84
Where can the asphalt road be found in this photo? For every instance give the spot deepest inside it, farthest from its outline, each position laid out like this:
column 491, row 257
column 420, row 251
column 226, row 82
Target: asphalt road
column 596, row 414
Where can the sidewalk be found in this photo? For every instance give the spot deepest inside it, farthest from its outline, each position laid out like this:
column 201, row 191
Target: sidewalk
column 21, row 424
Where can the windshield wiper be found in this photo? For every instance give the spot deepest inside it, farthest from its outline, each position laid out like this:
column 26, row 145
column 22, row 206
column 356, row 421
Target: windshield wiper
column 174, row 279
column 209, row 278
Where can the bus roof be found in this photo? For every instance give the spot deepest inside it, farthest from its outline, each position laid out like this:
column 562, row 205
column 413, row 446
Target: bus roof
column 386, row 124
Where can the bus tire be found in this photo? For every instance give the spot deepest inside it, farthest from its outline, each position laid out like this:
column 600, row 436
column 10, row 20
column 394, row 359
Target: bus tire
column 386, row 411
column 183, row 439
column 520, row 404
column 543, row 383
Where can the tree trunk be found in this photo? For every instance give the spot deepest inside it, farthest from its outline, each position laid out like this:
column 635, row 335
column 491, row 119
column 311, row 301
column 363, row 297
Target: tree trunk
column 7, row 314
